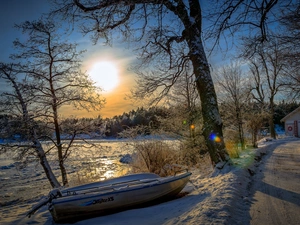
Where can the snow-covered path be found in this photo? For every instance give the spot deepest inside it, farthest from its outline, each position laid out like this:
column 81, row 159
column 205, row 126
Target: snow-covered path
column 228, row 197
column 276, row 187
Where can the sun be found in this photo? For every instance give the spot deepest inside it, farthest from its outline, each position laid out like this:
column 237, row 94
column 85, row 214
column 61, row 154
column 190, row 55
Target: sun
column 105, row 74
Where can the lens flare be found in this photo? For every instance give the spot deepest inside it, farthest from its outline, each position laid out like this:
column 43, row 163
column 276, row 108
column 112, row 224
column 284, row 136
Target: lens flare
column 214, row 138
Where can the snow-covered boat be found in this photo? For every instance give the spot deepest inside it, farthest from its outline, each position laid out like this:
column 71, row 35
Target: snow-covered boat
column 99, row 198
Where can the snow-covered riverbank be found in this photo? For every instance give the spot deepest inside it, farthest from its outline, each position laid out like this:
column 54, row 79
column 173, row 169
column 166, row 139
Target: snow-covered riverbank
column 213, row 197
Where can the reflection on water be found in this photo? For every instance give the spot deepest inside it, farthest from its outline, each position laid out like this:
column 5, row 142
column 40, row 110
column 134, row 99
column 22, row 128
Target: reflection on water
column 86, row 162
column 98, row 170
column 93, row 162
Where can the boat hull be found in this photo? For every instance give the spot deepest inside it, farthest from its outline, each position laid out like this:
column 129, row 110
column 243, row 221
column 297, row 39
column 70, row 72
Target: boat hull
column 112, row 198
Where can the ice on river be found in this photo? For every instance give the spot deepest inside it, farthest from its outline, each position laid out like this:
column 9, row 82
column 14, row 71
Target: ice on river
column 85, row 164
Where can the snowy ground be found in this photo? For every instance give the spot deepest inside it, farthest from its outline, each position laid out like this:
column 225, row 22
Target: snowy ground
column 213, row 197
column 275, row 194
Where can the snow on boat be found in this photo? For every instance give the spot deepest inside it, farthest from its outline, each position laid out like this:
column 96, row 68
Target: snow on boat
column 100, row 198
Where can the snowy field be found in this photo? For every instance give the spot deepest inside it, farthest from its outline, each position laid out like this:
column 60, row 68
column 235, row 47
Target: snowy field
column 212, row 197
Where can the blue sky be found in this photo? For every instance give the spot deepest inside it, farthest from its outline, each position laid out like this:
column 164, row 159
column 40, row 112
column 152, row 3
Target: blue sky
column 15, row 12
column 18, row 11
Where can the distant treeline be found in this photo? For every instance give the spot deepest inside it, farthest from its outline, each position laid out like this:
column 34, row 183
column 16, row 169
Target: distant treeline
column 111, row 127
column 12, row 127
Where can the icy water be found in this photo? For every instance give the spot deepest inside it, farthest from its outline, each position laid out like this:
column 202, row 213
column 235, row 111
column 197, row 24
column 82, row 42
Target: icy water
column 86, row 163
column 98, row 161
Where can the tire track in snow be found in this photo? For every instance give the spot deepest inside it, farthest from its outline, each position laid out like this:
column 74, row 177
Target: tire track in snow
column 276, row 188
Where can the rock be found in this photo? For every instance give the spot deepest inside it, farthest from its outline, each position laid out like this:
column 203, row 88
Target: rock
column 126, row 159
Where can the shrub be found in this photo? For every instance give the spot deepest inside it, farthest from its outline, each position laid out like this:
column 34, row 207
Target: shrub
column 192, row 150
column 155, row 157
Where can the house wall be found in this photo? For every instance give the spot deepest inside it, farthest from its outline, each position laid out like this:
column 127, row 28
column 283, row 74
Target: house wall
column 292, row 123
column 292, row 128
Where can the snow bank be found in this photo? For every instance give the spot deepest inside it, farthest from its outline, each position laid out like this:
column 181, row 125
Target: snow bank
column 212, row 197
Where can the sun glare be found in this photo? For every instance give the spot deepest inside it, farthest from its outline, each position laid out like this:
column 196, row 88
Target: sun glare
column 105, row 74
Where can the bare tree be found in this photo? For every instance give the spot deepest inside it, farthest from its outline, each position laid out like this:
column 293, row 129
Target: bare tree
column 15, row 103
column 170, row 36
column 268, row 72
column 255, row 119
column 233, row 95
column 52, row 75
column 184, row 97
column 289, row 40
column 257, row 22
column 255, row 19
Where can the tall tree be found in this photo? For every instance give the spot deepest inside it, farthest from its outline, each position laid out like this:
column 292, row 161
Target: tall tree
column 161, row 27
column 253, row 19
column 186, row 102
column 255, row 120
column 15, row 102
column 268, row 73
column 289, row 38
column 233, row 95
column 256, row 22
column 51, row 67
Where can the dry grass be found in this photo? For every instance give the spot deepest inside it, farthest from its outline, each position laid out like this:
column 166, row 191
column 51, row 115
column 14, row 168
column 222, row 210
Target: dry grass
column 154, row 157
column 232, row 149
column 164, row 158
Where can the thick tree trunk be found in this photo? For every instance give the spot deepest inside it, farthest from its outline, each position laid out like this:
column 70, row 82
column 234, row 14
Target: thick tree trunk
column 212, row 123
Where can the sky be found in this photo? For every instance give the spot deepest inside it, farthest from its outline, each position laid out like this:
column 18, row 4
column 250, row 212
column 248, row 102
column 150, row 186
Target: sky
column 121, row 58
column 18, row 11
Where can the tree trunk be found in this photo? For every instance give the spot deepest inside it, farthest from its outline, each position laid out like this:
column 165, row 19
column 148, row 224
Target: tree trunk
column 60, row 153
column 58, row 142
column 57, row 130
column 271, row 121
column 212, row 123
column 240, row 127
column 44, row 163
column 254, row 138
column 32, row 132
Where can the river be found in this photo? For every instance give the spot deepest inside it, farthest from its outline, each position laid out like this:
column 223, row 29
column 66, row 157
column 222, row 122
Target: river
column 95, row 161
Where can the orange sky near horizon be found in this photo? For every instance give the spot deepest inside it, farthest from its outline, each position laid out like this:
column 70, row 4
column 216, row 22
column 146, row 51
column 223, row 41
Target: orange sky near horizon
column 115, row 98
column 16, row 11
column 116, row 105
